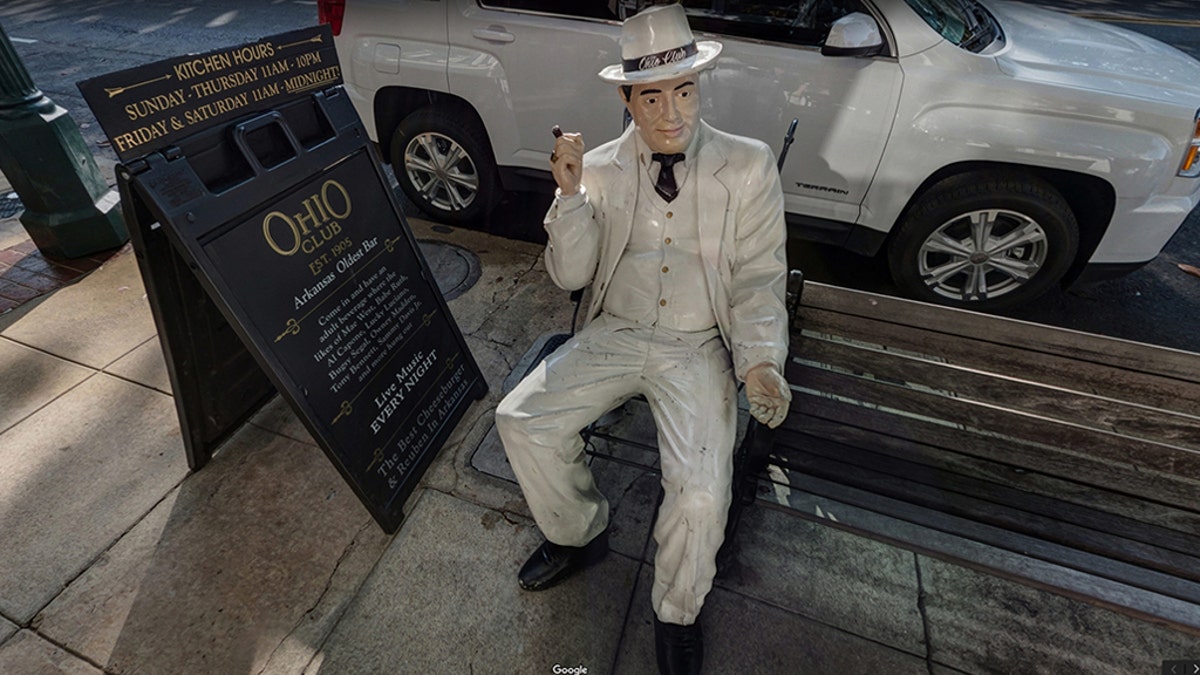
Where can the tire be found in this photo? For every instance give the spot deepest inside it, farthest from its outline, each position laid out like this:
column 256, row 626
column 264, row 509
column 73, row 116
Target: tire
column 444, row 164
column 984, row 241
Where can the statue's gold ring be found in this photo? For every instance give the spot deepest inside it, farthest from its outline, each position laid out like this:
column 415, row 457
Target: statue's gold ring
column 553, row 157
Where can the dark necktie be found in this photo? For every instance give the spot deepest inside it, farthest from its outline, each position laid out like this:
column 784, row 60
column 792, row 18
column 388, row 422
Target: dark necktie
column 665, row 185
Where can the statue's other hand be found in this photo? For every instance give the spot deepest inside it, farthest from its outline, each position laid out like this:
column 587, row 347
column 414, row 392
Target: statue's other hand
column 768, row 394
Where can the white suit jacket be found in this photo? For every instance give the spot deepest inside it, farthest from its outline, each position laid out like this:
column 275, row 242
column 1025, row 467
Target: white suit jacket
column 742, row 237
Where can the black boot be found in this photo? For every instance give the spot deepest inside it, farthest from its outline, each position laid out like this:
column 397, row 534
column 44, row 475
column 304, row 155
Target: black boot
column 680, row 649
column 552, row 563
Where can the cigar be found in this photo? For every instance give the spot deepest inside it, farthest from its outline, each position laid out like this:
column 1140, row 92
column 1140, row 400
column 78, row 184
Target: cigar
column 557, row 131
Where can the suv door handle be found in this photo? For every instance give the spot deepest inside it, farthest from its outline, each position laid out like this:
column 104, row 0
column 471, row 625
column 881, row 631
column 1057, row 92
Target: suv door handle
column 493, row 34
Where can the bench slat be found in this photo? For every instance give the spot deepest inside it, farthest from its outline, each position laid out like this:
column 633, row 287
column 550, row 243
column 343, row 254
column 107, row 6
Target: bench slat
column 1103, row 462
column 1061, row 371
column 1056, row 402
column 1169, row 526
column 1042, row 517
column 1136, row 356
column 1171, row 463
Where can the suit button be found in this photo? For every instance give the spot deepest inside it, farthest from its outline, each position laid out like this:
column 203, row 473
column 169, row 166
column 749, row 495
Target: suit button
column 667, row 240
column 670, row 214
column 665, row 269
column 662, row 303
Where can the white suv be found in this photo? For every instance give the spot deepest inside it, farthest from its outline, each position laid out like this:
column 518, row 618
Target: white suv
column 991, row 149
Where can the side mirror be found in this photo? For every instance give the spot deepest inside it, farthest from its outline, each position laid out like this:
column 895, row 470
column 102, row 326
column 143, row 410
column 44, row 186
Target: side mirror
column 855, row 34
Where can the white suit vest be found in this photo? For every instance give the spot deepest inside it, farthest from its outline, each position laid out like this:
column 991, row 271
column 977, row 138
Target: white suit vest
column 660, row 279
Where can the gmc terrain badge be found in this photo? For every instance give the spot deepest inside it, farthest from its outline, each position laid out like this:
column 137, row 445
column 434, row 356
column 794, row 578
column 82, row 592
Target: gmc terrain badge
column 822, row 188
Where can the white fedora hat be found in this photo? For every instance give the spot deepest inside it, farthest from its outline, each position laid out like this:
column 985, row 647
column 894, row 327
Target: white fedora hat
column 657, row 44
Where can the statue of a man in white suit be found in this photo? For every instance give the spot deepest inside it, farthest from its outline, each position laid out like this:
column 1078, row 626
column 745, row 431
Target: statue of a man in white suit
column 679, row 230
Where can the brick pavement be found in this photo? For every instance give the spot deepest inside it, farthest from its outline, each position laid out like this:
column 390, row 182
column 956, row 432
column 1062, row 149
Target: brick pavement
column 26, row 273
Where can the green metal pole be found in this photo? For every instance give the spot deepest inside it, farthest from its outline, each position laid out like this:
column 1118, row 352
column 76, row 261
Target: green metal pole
column 69, row 209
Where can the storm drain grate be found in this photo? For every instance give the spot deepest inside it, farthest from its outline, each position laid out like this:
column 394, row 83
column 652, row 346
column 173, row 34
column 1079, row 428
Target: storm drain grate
column 455, row 268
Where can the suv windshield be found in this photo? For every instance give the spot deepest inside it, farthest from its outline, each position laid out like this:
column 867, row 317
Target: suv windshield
column 964, row 22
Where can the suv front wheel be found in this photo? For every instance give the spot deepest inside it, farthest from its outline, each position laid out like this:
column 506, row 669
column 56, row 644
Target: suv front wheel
column 984, row 241
column 444, row 164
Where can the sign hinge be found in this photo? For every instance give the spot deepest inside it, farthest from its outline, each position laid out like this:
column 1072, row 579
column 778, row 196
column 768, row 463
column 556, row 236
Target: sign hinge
column 137, row 166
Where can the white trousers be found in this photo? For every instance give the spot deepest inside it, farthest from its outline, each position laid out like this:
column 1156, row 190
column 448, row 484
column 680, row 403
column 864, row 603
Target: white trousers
column 689, row 383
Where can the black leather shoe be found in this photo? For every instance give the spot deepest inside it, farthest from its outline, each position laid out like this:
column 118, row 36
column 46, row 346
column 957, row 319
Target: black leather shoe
column 552, row 563
column 680, row 649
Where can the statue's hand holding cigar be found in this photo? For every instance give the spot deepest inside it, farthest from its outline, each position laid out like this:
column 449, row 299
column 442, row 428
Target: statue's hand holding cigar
column 566, row 161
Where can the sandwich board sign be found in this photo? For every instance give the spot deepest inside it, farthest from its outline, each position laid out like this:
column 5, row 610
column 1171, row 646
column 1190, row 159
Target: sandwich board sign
column 276, row 258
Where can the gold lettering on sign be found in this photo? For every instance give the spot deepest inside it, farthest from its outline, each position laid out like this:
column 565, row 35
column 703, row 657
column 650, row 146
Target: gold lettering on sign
column 314, row 224
column 313, row 80
column 308, row 59
column 274, row 68
column 221, row 83
column 227, row 104
column 252, row 53
column 265, row 92
column 203, row 66
column 141, row 135
column 155, row 104
column 198, row 90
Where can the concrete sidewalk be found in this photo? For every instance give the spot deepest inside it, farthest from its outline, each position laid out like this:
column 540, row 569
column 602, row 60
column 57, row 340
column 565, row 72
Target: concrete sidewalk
column 115, row 558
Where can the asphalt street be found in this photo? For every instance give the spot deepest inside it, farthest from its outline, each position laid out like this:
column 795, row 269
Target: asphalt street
column 65, row 41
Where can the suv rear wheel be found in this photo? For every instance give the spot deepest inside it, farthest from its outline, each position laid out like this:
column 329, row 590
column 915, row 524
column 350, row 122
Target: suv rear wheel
column 444, row 164
column 984, row 241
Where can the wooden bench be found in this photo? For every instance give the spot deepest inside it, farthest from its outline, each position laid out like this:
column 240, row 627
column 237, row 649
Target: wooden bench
column 1064, row 460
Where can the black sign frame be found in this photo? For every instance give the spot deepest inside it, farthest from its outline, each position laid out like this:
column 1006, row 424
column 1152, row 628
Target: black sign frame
column 215, row 186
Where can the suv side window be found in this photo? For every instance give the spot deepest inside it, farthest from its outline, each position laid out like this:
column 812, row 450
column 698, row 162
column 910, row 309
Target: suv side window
column 799, row 22
column 586, row 9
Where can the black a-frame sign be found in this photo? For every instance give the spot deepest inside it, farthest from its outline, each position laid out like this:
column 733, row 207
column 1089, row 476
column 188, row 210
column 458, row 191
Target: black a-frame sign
column 276, row 258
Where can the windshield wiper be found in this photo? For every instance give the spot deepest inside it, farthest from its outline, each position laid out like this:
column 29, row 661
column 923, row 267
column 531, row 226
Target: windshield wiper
column 968, row 8
column 981, row 29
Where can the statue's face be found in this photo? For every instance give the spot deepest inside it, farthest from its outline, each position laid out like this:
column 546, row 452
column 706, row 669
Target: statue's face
column 666, row 113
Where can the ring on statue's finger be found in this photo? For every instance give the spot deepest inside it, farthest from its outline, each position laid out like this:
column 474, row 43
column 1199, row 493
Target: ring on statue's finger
column 553, row 157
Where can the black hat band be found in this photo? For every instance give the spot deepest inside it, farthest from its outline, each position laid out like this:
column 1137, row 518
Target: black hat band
column 665, row 58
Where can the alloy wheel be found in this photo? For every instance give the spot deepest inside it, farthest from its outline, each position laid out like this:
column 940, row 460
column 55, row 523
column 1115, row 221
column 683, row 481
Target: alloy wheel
column 442, row 171
column 983, row 254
